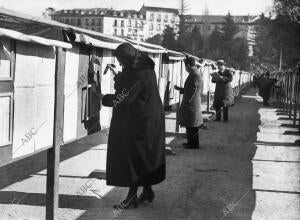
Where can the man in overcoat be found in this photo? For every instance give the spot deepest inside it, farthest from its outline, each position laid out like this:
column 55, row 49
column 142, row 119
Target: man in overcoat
column 190, row 114
column 223, row 90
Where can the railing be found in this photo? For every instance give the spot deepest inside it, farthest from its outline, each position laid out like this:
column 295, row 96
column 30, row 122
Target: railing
column 288, row 93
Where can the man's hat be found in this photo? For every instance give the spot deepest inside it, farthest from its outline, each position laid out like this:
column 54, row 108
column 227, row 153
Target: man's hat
column 221, row 62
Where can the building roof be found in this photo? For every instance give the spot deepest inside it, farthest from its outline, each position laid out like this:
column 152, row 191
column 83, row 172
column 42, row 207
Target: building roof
column 159, row 9
column 219, row 19
column 109, row 12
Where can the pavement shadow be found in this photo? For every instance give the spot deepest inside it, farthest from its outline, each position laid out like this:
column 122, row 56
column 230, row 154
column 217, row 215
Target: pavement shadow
column 23, row 168
column 39, row 199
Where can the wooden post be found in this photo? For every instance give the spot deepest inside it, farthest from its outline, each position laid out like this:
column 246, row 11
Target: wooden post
column 53, row 154
column 208, row 101
column 182, row 68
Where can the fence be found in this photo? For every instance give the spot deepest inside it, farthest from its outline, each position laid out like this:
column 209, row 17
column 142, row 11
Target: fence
column 288, row 93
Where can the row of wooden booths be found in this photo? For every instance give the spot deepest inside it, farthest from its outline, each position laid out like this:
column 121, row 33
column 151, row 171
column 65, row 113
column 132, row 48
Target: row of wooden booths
column 51, row 76
column 28, row 66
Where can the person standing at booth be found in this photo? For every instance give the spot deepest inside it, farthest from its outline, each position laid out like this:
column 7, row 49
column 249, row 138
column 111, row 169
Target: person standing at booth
column 136, row 141
column 266, row 85
column 223, row 90
column 190, row 114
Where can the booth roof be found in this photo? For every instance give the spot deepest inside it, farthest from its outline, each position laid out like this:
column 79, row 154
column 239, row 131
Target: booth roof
column 42, row 27
column 54, row 30
column 34, row 39
column 146, row 47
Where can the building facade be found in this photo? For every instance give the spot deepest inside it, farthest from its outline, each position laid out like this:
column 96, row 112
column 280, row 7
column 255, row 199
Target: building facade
column 157, row 19
column 136, row 25
column 208, row 23
column 126, row 23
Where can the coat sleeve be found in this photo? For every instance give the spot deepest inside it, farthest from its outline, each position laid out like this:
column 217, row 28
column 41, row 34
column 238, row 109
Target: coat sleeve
column 228, row 77
column 193, row 91
column 124, row 97
column 181, row 90
column 216, row 78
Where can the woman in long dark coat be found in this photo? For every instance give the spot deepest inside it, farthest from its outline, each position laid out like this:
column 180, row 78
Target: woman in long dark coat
column 136, row 142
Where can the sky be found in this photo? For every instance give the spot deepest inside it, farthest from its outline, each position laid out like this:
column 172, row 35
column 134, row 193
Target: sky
column 215, row 7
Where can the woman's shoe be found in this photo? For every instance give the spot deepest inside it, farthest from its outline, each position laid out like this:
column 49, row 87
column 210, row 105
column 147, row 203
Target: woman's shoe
column 127, row 204
column 146, row 197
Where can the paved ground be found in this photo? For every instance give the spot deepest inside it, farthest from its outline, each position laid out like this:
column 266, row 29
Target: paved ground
column 246, row 169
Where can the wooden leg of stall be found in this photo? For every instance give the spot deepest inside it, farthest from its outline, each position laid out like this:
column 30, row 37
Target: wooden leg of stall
column 53, row 154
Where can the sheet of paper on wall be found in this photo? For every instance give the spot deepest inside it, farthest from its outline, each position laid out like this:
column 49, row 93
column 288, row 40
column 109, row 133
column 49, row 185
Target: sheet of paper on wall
column 44, row 115
column 24, row 109
column 5, row 58
column 33, row 99
column 5, row 120
column 71, row 94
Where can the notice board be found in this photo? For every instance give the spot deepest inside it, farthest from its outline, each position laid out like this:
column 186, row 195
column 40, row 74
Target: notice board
column 33, row 98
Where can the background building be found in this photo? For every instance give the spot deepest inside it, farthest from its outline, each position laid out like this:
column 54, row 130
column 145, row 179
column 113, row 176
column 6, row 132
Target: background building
column 158, row 18
column 207, row 23
column 125, row 23
column 137, row 25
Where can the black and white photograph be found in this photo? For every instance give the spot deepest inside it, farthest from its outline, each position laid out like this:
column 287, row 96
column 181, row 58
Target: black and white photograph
column 150, row 110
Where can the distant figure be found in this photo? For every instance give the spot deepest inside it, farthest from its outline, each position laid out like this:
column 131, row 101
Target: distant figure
column 266, row 85
column 190, row 114
column 262, row 79
column 255, row 80
column 136, row 142
column 223, row 90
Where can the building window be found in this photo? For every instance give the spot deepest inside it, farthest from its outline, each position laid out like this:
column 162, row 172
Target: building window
column 173, row 19
column 129, row 30
column 122, row 32
column 151, row 17
column 135, row 32
column 86, row 22
column 93, row 22
column 99, row 21
column 142, row 39
column 129, row 23
column 136, row 24
column 122, row 23
column 151, row 26
column 166, row 19
column 158, row 17
column 67, row 21
column 115, row 31
column 158, row 28
column 79, row 22
column 116, row 23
